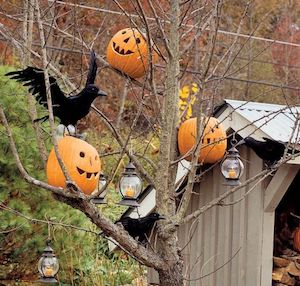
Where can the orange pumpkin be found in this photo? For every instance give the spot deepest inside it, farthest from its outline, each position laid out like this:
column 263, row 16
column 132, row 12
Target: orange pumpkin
column 297, row 239
column 127, row 52
column 82, row 163
column 214, row 132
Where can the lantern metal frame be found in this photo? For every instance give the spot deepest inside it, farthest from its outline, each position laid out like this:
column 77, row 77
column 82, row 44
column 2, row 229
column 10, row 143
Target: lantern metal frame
column 100, row 199
column 48, row 254
column 232, row 159
column 129, row 172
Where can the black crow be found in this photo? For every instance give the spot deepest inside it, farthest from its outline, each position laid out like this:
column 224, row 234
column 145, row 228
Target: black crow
column 139, row 227
column 68, row 109
column 269, row 150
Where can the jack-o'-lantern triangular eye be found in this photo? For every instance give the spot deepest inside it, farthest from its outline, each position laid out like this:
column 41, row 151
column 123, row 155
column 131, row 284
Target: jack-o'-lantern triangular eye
column 138, row 40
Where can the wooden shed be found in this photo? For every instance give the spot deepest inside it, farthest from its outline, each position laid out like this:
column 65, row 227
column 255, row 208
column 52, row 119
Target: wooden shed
column 232, row 244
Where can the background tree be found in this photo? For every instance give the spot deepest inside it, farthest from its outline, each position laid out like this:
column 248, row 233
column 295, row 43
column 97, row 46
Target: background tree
column 219, row 46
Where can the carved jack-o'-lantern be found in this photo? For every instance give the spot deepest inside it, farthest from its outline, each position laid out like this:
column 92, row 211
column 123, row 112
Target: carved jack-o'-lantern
column 82, row 163
column 213, row 144
column 127, row 51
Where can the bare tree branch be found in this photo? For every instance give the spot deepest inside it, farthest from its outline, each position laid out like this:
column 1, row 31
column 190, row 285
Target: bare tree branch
column 28, row 29
column 25, row 175
column 49, row 101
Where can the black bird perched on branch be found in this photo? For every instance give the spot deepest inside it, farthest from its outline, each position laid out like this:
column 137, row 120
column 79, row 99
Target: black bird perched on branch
column 269, row 150
column 139, row 227
column 68, row 109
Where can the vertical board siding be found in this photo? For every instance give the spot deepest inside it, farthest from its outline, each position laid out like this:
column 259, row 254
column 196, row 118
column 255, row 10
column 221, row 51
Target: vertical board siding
column 255, row 209
column 234, row 229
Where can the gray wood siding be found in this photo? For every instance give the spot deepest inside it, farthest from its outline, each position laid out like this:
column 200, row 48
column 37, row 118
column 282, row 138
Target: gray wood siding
column 226, row 245
column 224, row 231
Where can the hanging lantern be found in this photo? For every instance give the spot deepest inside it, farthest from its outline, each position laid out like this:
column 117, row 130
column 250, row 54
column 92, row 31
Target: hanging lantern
column 48, row 265
column 100, row 199
column 82, row 163
column 232, row 167
column 213, row 144
column 127, row 52
column 130, row 186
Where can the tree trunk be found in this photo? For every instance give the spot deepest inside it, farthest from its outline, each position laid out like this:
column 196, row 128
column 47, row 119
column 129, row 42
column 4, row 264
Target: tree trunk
column 172, row 276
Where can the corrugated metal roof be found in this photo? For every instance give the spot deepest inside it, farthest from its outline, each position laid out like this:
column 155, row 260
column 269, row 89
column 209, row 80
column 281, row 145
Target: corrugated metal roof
column 276, row 121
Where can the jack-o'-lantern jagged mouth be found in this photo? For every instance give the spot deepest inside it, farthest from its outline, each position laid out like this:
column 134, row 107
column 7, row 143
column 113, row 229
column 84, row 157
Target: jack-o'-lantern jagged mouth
column 87, row 174
column 121, row 52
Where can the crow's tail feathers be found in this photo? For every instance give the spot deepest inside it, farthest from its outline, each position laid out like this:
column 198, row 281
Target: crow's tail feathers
column 92, row 69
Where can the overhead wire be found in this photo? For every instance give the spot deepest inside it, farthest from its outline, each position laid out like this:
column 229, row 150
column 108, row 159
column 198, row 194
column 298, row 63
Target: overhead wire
column 231, row 78
column 217, row 77
column 220, row 31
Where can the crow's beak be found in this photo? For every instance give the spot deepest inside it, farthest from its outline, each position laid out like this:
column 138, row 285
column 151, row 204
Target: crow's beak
column 240, row 143
column 102, row 93
column 161, row 217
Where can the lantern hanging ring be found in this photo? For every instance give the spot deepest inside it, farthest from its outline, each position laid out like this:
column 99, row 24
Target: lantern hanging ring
column 233, row 141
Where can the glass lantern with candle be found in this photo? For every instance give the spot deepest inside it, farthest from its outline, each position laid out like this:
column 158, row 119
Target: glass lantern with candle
column 48, row 265
column 130, row 186
column 232, row 168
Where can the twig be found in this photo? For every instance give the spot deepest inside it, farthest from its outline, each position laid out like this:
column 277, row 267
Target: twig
column 34, row 220
column 25, row 175
column 296, row 216
column 217, row 269
column 219, row 199
column 27, row 32
column 118, row 137
column 49, row 100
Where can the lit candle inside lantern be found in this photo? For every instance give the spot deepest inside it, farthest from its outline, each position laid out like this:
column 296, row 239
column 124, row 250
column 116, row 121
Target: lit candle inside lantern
column 129, row 191
column 232, row 174
column 48, row 272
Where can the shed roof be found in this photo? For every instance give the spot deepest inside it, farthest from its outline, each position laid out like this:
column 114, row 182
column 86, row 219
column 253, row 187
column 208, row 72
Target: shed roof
column 275, row 121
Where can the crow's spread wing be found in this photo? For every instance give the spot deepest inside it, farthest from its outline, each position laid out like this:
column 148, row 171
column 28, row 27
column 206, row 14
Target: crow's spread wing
column 292, row 149
column 269, row 140
column 92, row 69
column 34, row 79
column 274, row 143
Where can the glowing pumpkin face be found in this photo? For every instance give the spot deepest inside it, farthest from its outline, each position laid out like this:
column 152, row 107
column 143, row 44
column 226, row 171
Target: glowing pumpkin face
column 214, row 131
column 82, row 163
column 127, row 52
